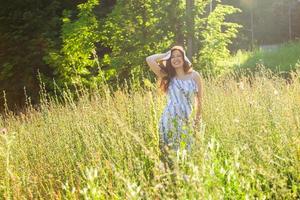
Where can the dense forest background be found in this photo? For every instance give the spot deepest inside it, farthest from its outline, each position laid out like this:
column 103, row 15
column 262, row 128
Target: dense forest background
column 64, row 43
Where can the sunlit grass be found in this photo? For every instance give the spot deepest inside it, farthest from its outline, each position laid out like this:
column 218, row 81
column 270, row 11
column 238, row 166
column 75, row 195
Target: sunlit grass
column 105, row 146
column 282, row 59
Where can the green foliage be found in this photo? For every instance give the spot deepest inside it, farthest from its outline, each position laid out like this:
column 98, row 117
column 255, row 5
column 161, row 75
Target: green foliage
column 132, row 31
column 75, row 62
column 280, row 59
column 34, row 38
column 135, row 30
column 217, row 34
column 25, row 31
column 122, row 40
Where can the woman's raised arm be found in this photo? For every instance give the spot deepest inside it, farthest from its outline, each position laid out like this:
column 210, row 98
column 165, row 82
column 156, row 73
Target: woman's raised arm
column 152, row 61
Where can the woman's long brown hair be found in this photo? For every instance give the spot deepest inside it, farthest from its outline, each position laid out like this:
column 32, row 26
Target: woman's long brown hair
column 170, row 70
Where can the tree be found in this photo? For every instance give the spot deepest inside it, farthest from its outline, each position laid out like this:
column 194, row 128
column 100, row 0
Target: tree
column 270, row 21
column 217, row 35
column 26, row 28
column 88, row 43
column 76, row 61
column 136, row 29
column 29, row 30
column 190, row 21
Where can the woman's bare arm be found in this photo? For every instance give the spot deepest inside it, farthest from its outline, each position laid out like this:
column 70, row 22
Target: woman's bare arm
column 199, row 97
column 152, row 61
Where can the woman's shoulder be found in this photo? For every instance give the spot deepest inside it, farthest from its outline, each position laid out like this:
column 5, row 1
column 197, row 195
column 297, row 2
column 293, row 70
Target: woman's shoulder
column 195, row 74
column 197, row 77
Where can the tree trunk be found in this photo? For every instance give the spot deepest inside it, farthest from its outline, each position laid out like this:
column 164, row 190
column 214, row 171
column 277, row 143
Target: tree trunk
column 190, row 26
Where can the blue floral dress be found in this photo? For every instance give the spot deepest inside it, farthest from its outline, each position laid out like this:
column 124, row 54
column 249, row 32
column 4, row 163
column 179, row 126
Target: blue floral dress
column 175, row 124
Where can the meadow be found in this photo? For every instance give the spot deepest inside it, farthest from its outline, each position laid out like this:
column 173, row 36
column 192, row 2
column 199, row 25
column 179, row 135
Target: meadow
column 279, row 58
column 105, row 144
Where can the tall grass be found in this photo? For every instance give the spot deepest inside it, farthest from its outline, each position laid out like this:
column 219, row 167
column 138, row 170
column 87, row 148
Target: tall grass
column 106, row 145
column 285, row 58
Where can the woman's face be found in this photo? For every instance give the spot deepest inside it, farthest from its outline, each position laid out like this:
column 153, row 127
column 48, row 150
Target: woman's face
column 177, row 59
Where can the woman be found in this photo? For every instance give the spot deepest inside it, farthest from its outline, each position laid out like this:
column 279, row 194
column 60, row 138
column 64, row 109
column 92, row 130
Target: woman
column 183, row 86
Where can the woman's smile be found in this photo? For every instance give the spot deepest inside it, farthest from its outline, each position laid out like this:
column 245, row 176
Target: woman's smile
column 176, row 58
column 176, row 62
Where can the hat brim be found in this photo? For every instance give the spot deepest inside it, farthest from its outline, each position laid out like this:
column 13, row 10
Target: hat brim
column 167, row 57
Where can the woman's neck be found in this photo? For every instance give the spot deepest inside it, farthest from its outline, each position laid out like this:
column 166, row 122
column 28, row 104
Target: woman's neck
column 179, row 72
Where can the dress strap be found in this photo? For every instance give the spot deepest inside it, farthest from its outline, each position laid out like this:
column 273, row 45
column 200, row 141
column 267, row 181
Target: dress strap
column 194, row 78
column 193, row 74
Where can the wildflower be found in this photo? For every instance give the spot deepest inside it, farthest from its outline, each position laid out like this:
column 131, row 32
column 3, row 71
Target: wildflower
column 186, row 178
column 3, row 131
column 251, row 103
column 241, row 85
column 236, row 120
column 270, row 110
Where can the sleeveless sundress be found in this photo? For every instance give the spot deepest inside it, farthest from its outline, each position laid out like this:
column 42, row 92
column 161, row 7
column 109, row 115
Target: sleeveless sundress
column 175, row 124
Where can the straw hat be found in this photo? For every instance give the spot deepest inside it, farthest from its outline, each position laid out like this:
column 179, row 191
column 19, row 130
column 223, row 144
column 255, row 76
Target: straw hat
column 180, row 49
